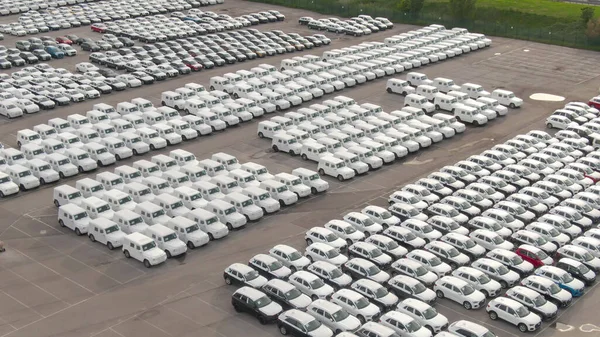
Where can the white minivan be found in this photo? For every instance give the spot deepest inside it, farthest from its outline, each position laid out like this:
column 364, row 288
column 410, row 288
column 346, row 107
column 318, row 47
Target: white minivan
column 66, row 194
column 244, row 205
column 167, row 240
column 143, row 249
column 420, row 102
column 106, row 232
column 335, row 167
column 280, row 192
column 226, row 213
column 311, row 179
column 188, row 231
column 74, row 218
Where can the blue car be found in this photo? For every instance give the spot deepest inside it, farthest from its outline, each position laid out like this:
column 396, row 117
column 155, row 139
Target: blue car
column 562, row 278
column 55, row 52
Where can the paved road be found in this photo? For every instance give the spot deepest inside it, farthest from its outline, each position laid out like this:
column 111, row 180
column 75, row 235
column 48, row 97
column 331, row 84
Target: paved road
column 53, row 283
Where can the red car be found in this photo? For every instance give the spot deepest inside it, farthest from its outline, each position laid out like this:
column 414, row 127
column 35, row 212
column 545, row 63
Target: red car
column 595, row 102
column 98, row 28
column 534, row 255
column 195, row 66
column 62, row 39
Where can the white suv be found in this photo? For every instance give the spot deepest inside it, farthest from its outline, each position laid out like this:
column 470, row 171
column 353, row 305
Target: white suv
column 513, row 312
column 356, row 304
column 459, row 291
column 424, row 314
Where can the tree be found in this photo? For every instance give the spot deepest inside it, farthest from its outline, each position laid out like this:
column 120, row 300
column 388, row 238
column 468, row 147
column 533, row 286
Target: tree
column 593, row 28
column 587, row 13
column 462, row 9
column 413, row 7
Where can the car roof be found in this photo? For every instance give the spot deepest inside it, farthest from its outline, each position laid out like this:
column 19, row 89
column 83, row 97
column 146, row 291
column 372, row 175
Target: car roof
column 509, row 302
column 250, row 292
column 241, row 268
column 487, row 261
column 464, row 324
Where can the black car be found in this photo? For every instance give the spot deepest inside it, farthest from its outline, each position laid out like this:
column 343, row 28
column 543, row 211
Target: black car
column 59, row 98
column 72, row 37
column 82, row 40
column 216, row 59
column 182, row 68
column 43, row 102
column 142, row 76
column 41, row 54
column 256, row 303
column 227, row 57
column 578, row 270
column 127, row 42
column 115, row 84
column 99, row 58
column 90, row 46
column 4, row 64
column 238, row 56
column 288, row 296
column 29, row 57
column 15, row 60
column 101, row 86
column 107, row 72
column 304, row 20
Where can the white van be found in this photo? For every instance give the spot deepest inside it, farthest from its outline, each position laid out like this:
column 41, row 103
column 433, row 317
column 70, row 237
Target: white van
column 226, row 184
column 168, row 133
column 152, row 117
column 208, row 223
column 335, row 167
column 212, row 167
column 147, row 168
column 191, row 198
column 197, row 124
column 427, row 91
column 226, row 213
column 151, row 137
column 445, row 102
column 195, row 173
column 129, row 174
column 157, row 185
column 313, row 151
column 100, row 154
column 61, row 164
column 311, row 179
column 420, row 102
column 78, row 121
column 262, row 199
column 177, row 178
column 143, row 249
column 28, row 136
column 151, row 213
column 125, row 108
column 22, row 176
column 95, row 116
column 243, row 178
column 138, row 191
column 294, row 184
column 106, row 232
column 42, row 170
column 52, row 145
column 90, row 187
column 268, row 129
column 183, row 128
column 74, row 218
column 45, row 131
column 416, row 79
column 171, row 204
column 119, row 200
column 259, row 171
column 279, row 191
column 110, row 181
column 130, row 221
column 164, row 162
column 142, row 104
column 467, row 114
column 507, row 98
column 474, row 90
column 66, row 194
column 103, row 129
column 60, row 125
column 105, row 108
column 134, row 142
column 96, row 207
column 87, row 135
column 172, row 99
column 188, row 231
column 399, row 86
column 286, row 143
column 117, row 147
column 244, row 205
column 208, row 190
column 168, row 113
column 445, row 84
column 230, row 162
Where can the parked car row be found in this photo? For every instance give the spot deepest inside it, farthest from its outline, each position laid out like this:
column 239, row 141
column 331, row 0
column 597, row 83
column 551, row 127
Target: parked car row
column 42, row 87
column 519, row 220
column 177, row 202
column 468, row 103
column 194, row 54
column 578, row 117
column 44, row 20
column 356, row 26
column 27, row 53
column 22, row 6
column 346, row 139
column 159, row 28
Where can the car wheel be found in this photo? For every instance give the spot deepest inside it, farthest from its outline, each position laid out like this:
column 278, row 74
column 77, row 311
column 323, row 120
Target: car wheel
column 361, row 319
column 61, row 175
column 228, row 280
column 310, row 259
column 439, row 294
column 191, row 245
column 522, row 327
column 126, row 253
column 152, row 147
column 229, row 226
column 467, row 305
column 485, row 293
column 110, row 246
column 503, row 284
column 493, row 315
column 313, row 190
column 292, row 153
column 211, row 237
column 117, row 157
column 512, row 105
column 99, row 163
column 389, row 90
column 92, row 238
column 349, row 242
column 80, row 169
column 275, row 148
column 314, row 297
column 262, row 320
column 42, row 181
column 550, row 126
column 283, row 330
column 77, row 231
column 453, row 265
column 437, row 107
column 293, row 269
column 147, row 264
column 304, row 157
column 476, row 123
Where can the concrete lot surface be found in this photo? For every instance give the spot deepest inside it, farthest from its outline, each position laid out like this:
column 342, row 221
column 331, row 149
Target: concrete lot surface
column 53, row 283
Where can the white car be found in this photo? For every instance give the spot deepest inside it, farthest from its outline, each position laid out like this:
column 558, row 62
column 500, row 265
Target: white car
column 319, row 251
column 403, row 324
column 356, row 304
column 84, row 67
column 311, row 285
column 381, row 216
column 423, row 313
column 497, row 271
column 479, row 280
column 459, row 291
column 7, row 186
column 290, row 257
column 533, row 301
column 513, row 312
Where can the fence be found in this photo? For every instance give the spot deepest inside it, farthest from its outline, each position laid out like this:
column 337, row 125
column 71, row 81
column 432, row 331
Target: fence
column 564, row 34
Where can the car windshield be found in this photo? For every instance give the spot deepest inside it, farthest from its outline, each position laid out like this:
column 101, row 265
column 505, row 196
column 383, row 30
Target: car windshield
column 176, row 205
column 316, row 283
column 497, row 240
column 170, row 237
column 148, row 246
column 587, row 256
column 522, row 311
column 427, row 229
column 124, row 200
column 418, row 288
column 420, row 271
column 282, row 189
column 251, row 275
column 467, row 290
column 80, row 215
column 263, row 301
column 502, row 270
column 373, row 270
column 340, row 315
column 112, row 229
column 158, row 213
column 362, row 303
